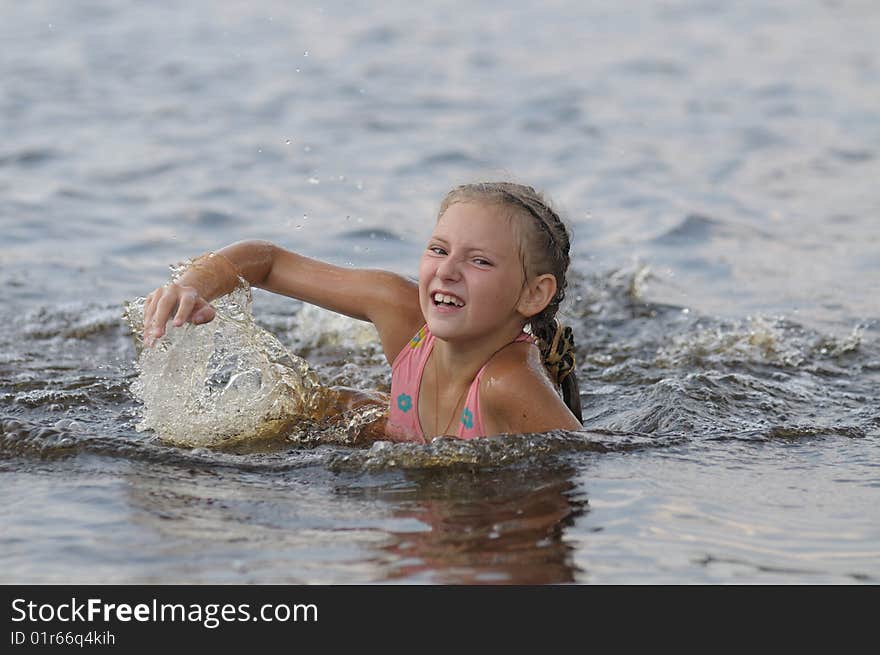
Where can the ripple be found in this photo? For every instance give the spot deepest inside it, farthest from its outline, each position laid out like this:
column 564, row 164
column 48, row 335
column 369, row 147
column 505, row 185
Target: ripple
column 210, row 218
column 702, row 229
column 491, row 452
column 29, row 157
column 652, row 67
column 136, row 173
column 456, row 159
column 694, row 228
column 75, row 322
column 372, row 233
column 852, row 155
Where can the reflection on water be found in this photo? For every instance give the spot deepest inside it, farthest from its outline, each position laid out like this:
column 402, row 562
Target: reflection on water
column 506, row 527
column 491, row 527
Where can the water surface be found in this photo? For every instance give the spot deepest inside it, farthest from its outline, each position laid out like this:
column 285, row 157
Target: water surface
column 716, row 163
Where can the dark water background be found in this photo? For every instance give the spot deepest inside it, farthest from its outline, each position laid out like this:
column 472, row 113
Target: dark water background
column 717, row 162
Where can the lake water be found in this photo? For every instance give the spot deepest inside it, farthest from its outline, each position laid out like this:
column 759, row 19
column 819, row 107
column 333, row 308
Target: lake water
column 717, row 163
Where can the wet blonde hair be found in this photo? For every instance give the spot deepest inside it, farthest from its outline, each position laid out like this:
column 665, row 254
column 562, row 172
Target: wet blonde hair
column 544, row 248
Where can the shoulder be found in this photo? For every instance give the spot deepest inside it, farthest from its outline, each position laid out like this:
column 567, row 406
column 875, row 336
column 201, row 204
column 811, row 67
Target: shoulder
column 396, row 314
column 515, row 371
column 517, row 396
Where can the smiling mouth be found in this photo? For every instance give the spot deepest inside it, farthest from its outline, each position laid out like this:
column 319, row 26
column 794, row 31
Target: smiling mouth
column 444, row 300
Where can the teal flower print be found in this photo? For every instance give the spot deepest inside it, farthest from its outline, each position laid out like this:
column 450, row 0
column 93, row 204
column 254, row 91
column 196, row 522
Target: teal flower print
column 417, row 340
column 404, row 402
column 467, row 418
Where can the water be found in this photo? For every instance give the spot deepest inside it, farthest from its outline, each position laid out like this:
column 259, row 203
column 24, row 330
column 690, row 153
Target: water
column 716, row 163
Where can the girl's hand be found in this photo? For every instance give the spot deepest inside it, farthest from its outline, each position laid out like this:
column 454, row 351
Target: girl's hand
column 161, row 303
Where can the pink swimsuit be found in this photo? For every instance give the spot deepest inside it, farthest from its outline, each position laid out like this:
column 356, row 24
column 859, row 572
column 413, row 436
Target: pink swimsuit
column 406, row 380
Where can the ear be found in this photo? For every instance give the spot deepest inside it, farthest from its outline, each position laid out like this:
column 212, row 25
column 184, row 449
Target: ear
column 536, row 295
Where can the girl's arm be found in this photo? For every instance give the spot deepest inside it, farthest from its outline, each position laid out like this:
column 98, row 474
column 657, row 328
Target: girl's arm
column 389, row 301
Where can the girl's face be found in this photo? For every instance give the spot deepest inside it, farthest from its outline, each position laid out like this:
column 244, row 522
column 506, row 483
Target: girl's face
column 471, row 275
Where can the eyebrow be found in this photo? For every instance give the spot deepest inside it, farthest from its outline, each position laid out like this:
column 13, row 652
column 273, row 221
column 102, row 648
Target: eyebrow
column 487, row 251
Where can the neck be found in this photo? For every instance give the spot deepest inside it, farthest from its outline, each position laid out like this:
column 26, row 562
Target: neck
column 459, row 362
column 455, row 364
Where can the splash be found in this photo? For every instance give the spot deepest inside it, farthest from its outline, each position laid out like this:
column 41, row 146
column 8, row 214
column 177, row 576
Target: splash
column 447, row 453
column 224, row 382
column 609, row 293
column 759, row 340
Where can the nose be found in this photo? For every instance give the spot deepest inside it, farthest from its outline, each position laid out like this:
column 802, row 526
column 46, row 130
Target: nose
column 448, row 269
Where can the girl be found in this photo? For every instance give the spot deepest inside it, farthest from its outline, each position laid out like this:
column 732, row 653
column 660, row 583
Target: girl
column 461, row 363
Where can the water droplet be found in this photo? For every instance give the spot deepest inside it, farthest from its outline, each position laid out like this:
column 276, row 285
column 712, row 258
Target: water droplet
column 314, row 180
column 297, row 70
column 287, row 142
column 306, row 53
column 299, row 227
column 305, row 217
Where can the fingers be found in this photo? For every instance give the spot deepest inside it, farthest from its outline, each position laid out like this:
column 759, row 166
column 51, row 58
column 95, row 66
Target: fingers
column 161, row 304
column 163, row 308
column 148, row 308
column 205, row 314
column 150, row 315
column 185, row 303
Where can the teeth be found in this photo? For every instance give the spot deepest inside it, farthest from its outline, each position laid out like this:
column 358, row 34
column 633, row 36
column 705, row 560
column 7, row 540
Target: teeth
column 449, row 300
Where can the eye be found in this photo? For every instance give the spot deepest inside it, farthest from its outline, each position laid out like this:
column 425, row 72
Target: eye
column 437, row 250
column 480, row 261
